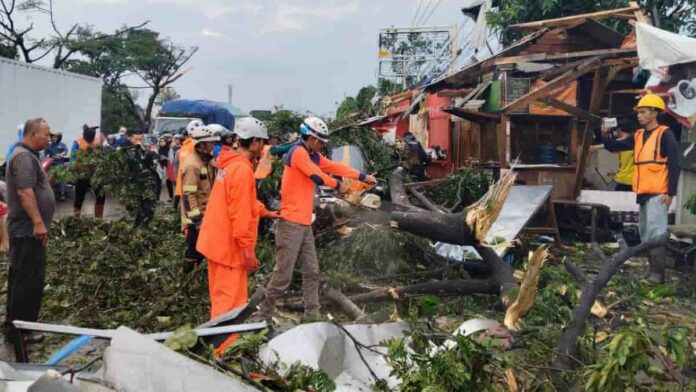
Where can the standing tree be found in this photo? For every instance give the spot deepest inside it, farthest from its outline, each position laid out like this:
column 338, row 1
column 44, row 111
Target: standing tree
column 156, row 61
column 63, row 44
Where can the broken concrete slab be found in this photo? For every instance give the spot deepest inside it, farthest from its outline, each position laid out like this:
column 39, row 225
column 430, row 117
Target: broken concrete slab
column 136, row 363
column 326, row 347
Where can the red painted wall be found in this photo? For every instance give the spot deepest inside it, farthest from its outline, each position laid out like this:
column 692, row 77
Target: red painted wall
column 439, row 133
column 439, row 129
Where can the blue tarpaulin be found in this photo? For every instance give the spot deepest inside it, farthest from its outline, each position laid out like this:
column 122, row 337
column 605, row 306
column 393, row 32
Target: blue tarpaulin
column 208, row 111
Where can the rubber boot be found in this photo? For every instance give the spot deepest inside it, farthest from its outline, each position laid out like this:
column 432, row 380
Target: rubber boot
column 99, row 211
column 657, row 266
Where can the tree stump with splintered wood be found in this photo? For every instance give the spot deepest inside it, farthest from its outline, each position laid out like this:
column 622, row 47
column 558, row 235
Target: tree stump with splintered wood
column 465, row 228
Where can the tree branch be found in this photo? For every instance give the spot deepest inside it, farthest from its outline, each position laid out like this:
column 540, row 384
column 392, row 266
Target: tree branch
column 427, row 203
column 567, row 345
column 574, row 271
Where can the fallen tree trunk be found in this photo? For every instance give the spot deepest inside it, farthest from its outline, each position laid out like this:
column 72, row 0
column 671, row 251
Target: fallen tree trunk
column 567, row 346
column 473, row 267
column 449, row 228
column 441, row 287
column 397, row 191
column 345, row 303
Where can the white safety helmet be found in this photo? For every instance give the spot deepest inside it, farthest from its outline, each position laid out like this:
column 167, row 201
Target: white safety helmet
column 203, row 134
column 193, row 125
column 217, row 129
column 250, row 127
column 314, row 126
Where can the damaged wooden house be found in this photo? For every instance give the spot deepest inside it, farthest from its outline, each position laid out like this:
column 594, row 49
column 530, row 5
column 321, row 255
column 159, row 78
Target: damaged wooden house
column 535, row 107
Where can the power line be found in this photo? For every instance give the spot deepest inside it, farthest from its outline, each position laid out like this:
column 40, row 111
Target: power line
column 446, row 50
column 431, row 13
column 425, row 12
column 420, row 4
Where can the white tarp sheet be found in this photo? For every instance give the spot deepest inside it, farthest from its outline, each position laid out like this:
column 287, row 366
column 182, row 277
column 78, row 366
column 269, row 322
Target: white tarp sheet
column 324, row 346
column 660, row 48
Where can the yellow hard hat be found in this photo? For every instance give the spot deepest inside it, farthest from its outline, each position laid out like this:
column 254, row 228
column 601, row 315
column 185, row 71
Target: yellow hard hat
column 651, row 101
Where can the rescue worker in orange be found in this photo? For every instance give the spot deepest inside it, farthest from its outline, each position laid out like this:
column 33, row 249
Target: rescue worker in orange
column 184, row 152
column 655, row 176
column 89, row 141
column 305, row 168
column 229, row 231
column 198, row 174
column 269, row 155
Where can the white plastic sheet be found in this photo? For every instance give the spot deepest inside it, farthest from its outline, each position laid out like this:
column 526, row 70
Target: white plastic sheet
column 660, row 48
column 324, row 346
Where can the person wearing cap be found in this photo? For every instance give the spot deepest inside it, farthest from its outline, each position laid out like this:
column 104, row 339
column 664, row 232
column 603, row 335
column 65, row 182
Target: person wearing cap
column 87, row 143
column 197, row 178
column 230, row 226
column 304, row 169
column 655, row 176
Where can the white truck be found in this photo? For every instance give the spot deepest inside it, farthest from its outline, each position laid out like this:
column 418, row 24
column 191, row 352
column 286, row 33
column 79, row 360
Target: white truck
column 65, row 99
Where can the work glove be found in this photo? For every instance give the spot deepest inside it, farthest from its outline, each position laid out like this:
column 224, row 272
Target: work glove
column 251, row 263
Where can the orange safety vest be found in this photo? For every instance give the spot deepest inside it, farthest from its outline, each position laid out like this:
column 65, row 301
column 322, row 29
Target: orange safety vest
column 265, row 165
column 184, row 152
column 650, row 174
column 83, row 145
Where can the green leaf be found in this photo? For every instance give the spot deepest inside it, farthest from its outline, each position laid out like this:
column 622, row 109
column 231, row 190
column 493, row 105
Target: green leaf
column 183, row 339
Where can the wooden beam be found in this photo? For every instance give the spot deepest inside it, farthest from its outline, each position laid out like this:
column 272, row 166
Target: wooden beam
column 627, row 15
column 570, row 19
column 471, row 115
column 585, row 67
column 574, row 136
column 599, row 84
column 638, row 13
column 454, row 92
column 637, row 91
column 566, row 56
column 501, row 136
column 574, row 110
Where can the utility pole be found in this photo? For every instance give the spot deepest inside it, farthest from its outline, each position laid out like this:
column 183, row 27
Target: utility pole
column 230, row 89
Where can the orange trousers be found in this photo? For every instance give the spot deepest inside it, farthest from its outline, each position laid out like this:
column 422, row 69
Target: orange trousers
column 228, row 290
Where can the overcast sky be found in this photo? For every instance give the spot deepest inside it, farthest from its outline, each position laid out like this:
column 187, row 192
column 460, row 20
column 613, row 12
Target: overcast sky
column 302, row 54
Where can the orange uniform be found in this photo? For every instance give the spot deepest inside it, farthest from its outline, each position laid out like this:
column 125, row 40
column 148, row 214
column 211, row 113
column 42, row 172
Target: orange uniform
column 184, row 152
column 83, row 145
column 650, row 172
column 265, row 166
column 230, row 226
column 303, row 170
